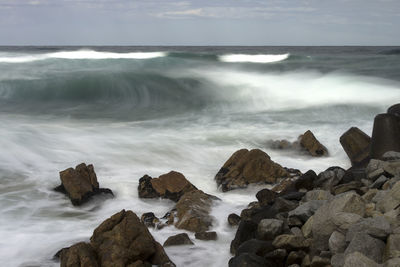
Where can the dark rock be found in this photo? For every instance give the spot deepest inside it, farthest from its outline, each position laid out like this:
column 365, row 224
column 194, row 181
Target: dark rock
column 312, row 145
column 320, row 262
column 377, row 227
column 295, row 257
column 80, row 254
column 80, row 184
column 206, row 236
column 277, row 255
column 297, row 196
column 246, row 231
column 178, row 240
column 391, row 156
column 256, row 214
column 394, row 110
column 342, row 188
column 306, row 181
column 385, row 135
column 329, row 178
column 371, row 247
column 268, row 229
column 290, row 242
column 306, row 210
column 283, row 205
column 172, row 185
column 149, row 219
column 266, row 196
column 357, row 145
column 258, row 247
column 355, row 173
column 248, row 260
column 379, row 182
column 193, row 211
column 233, row 219
column 245, row 167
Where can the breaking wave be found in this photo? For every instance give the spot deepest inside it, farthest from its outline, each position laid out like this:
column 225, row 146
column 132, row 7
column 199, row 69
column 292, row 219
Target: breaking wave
column 242, row 58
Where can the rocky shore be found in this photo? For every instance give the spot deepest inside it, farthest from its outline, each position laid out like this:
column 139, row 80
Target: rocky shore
column 335, row 218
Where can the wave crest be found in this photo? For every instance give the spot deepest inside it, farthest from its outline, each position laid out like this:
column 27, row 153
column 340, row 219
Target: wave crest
column 242, row 58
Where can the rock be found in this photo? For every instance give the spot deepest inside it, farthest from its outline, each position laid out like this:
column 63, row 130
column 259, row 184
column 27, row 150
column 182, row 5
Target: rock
column 256, row 214
column 246, row 231
column 392, row 249
column 297, row 196
column 289, row 242
column 123, row 239
column 233, row 219
column 392, row 263
column 320, row 262
column 395, row 110
column 306, row 210
column 337, row 260
column 390, row 200
column 306, row 181
column 172, row 185
column 352, row 186
column 337, row 242
column 306, row 229
column 385, row 135
column 283, row 205
column 379, row 182
column 391, row 156
column 266, row 196
column 149, row 219
column 245, row 167
column 280, row 144
column 370, row 195
column 356, row 144
column 312, row 145
column 268, row 229
column 329, row 178
column 377, row 227
column 258, row 247
column 371, row 247
column 277, row 257
column 248, row 259
column 343, row 220
column 80, row 254
column 193, row 211
column 390, row 183
column 80, row 184
column 358, row 259
column 317, row 194
column 296, row 231
column 178, row 240
column 295, row 257
column 206, row 235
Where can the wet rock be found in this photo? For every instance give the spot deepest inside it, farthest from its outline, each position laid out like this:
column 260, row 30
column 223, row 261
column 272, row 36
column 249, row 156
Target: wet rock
column 233, row 219
column 178, row 240
column 80, row 184
column 149, row 219
column 266, row 196
column 356, row 144
column 247, row 230
column 268, row 229
column 206, row 236
column 248, row 259
column 258, row 247
column 312, row 145
column 385, row 135
column 172, row 185
column 193, row 211
column 337, row 242
column 80, row 254
column 371, row 247
column 289, row 242
column 306, row 181
column 245, row 167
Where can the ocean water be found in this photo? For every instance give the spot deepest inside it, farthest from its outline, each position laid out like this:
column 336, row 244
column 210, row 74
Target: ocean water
column 132, row 111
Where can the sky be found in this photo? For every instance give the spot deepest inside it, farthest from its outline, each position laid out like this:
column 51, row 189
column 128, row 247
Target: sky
column 199, row 22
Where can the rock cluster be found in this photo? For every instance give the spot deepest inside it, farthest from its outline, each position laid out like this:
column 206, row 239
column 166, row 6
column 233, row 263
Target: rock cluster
column 80, row 184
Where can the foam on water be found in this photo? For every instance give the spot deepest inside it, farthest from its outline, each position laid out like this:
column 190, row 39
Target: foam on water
column 237, row 58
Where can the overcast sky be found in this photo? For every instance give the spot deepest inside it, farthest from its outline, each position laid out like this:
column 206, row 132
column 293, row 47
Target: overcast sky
column 200, row 22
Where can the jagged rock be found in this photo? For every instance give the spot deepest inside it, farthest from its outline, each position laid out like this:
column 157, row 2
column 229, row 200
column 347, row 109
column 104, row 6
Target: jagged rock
column 370, row 195
column 178, row 240
column 392, row 249
column 297, row 196
column 268, row 229
column 343, row 220
column 245, row 167
column 371, row 247
column 390, row 200
column 356, row 144
column 172, row 185
column 317, row 194
column 312, row 145
column 247, row 230
column 193, row 211
column 80, row 254
column 80, row 184
column 306, row 181
column 306, row 229
column 379, row 182
column 358, row 259
column 283, row 205
column 266, row 196
column 289, row 242
column 329, row 178
column 377, row 227
column 391, row 156
column 390, row 183
column 258, row 247
column 206, row 235
column 233, row 219
column 306, row 210
column 149, row 219
column 337, row 242
column 342, row 188
column 385, row 135
column 248, row 259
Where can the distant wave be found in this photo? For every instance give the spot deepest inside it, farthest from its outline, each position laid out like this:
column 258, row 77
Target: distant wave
column 81, row 54
column 253, row 58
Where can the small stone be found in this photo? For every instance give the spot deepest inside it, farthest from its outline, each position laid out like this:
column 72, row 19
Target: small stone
column 320, row 262
column 295, row 257
column 379, row 182
column 392, row 249
column 370, row 195
column 306, row 229
column 289, row 242
column 247, row 259
column 233, row 219
column 206, row 236
column 391, row 156
column 296, row 231
column 372, row 176
column 177, row 240
column 149, row 219
column 266, row 196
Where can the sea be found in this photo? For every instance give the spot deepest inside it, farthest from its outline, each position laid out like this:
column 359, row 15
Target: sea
column 132, row 111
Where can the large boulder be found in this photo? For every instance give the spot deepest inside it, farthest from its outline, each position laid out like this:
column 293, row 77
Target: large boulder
column 390, row 200
column 247, row 230
column 268, row 229
column 312, row 145
column 172, row 185
column 121, row 240
column 245, row 167
column 371, row 247
column 356, row 144
column 80, row 184
column 385, row 135
column 358, row 259
column 193, row 211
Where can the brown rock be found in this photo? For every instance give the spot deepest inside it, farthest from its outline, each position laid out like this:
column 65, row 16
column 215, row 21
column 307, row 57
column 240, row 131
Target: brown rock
column 233, row 219
column 80, row 184
column 79, row 255
column 171, row 185
column 206, row 235
column 178, row 240
column 356, row 144
column 245, row 167
column 193, row 210
column 312, row 145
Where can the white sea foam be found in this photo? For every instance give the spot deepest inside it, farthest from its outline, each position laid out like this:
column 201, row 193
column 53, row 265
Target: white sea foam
column 80, row 54
column 237, row 58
